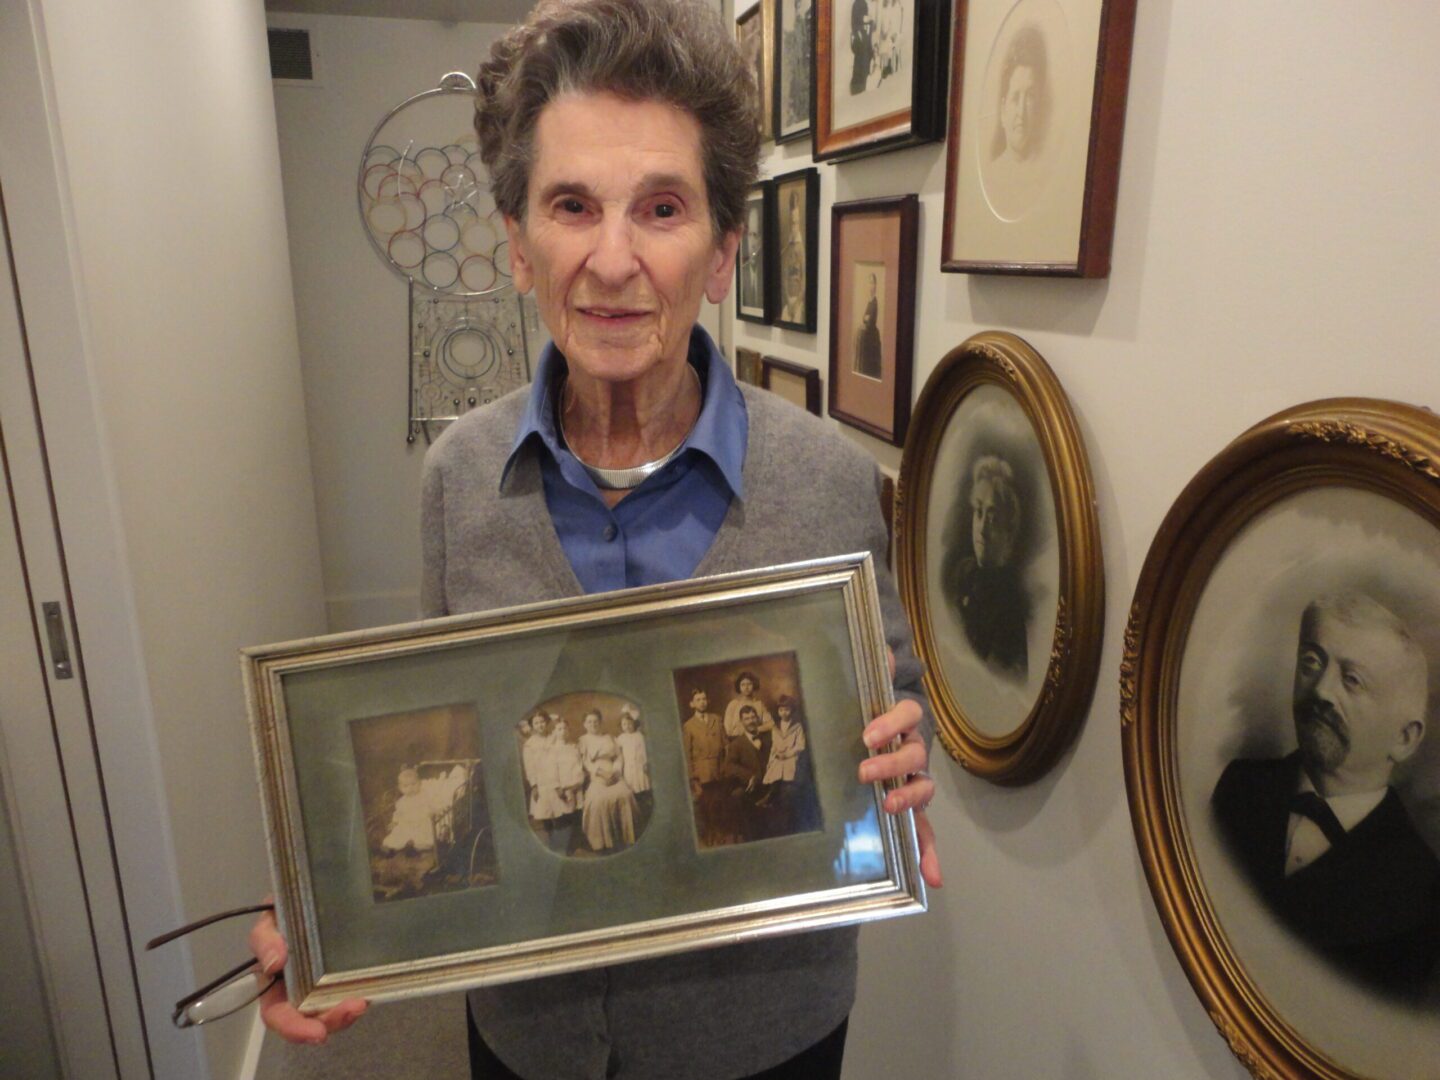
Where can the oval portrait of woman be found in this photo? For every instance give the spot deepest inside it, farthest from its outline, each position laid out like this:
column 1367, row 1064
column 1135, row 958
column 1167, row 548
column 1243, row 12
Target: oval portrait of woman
column 586, row 773
column 999, row 556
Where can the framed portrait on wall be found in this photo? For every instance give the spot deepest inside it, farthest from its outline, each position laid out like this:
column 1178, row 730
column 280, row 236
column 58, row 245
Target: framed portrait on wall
column 872, row 313
column 754, row 290
column 755, row 31
column 796, row 383
column 1278, row 695
column 1037, row 119
column 747, row 367
column 498, row 796
column 999, row 560
column 796, row 245
column 794, row 67
column 879, row 75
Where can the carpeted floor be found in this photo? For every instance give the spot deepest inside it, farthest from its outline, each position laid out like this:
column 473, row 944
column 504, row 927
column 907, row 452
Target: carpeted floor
column 402, row 1040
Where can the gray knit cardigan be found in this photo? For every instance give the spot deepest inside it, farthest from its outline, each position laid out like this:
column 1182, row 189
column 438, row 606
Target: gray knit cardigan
column 719, row 1013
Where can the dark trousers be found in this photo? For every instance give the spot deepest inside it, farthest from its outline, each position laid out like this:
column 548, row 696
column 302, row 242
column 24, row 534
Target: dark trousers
column 820, row 1062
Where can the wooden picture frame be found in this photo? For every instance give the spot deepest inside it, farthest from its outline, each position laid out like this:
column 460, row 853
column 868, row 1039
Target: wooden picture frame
column 796, row 383
column 794, row 77
column 998, row 557
column 1037, row 108
column 754, row 271
column 1294, row 576
column 795, row 249
column 864, row 101
column 872, row 314
column 747, row 366
column 755, row 32
column 384, row 898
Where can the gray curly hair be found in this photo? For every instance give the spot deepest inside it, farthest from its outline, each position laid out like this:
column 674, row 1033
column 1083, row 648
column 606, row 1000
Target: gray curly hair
column 674, row 51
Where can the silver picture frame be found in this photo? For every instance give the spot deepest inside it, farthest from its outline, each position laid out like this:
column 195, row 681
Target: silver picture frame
column 443, row 698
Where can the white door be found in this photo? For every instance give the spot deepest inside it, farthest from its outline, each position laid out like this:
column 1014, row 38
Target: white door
column 76, row 999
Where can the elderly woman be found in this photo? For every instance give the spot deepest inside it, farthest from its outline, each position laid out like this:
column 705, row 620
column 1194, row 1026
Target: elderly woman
column 620, row 147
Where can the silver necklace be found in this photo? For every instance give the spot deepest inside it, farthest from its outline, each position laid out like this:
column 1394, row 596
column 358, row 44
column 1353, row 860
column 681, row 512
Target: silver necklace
column 625, row 479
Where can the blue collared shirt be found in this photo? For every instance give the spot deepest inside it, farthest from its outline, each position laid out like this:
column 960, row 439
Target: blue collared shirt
column 662, row 529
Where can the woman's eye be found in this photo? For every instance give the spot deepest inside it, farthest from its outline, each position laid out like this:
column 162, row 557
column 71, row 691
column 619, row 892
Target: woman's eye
column 666, row 210
column 572, row 206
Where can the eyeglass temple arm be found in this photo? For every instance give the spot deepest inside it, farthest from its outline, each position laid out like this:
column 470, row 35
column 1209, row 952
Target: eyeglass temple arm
column 253, row 909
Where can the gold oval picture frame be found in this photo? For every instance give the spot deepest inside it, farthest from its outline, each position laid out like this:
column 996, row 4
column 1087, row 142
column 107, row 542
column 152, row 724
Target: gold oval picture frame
column 1284, row 633
column 998, row 556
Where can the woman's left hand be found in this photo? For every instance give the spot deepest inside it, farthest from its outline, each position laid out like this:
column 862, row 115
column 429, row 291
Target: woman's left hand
column 908, row 762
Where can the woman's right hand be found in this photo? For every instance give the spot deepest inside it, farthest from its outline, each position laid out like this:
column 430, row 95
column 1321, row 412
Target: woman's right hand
column 276, row 1011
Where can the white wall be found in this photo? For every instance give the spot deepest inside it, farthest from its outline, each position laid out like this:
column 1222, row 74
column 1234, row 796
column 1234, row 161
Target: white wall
column 1278, row 240
column 169, row 155
column 353, row 312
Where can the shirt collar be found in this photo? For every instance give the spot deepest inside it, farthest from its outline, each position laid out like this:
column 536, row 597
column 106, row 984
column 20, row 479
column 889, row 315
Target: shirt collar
column 1350, row 809
column 721, row 430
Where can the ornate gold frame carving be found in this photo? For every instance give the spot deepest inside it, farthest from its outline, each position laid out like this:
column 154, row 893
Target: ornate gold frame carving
column 1380, row 446
column 997, row 358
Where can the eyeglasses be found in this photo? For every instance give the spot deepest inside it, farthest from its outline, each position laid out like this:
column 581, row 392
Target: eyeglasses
column 231, row 991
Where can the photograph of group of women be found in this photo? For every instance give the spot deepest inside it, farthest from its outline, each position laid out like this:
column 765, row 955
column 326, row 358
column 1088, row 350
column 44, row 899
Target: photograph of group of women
column 586, row 773
column 744, row 733
column 422, row 793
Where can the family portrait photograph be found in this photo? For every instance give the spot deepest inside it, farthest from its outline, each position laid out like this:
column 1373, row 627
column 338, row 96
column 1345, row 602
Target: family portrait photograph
column 751, row 271
column 1309, row 770
column 870, row 46
column 744, row 735
column 586, row 772
column 422, row 794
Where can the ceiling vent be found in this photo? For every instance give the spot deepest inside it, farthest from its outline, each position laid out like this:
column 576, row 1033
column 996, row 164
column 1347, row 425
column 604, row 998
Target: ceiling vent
column 290, row 54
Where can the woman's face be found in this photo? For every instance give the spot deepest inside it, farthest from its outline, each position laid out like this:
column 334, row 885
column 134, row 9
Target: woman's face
column 747, row 687
column 592, row 723
column 627, row 723
column 617, row 242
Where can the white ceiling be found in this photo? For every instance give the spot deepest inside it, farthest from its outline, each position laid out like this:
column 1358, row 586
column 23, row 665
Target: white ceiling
column 482, row 11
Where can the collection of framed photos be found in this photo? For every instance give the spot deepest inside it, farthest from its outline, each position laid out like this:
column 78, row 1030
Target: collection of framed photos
column 1035, row 94
column 516, row 793
column 1286, row 615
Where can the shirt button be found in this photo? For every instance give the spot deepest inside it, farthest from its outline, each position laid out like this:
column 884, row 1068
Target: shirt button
column 610, row 532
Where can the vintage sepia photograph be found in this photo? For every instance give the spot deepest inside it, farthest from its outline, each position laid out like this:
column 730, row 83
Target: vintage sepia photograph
column 868, row 289
column 999, row 558
column 586, row 772
column 796, row 247
column 794, row 55
column 1299, row 606
column 880, row 75
column 744, row 734
column 422, row 793
column 755, row 31
column 872, row 314
column 752, row 271
column 1038, row 109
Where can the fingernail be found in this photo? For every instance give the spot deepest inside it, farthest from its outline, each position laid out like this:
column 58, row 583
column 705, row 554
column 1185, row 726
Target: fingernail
column 270, row 962
column 316, row 1040
column 869, row 738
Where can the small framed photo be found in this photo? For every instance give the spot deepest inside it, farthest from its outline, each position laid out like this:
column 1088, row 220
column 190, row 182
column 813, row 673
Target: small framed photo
column 1037, row 119
column 796, row 383
column 794, row 66
column 491, row 797
column 748, row 367
column 999, row 558
column 880, row 70
column 1278, row 694
column 753, row 288
column 755, row 31
column 872, row 314
column 796, row 247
